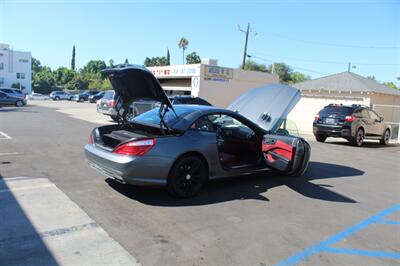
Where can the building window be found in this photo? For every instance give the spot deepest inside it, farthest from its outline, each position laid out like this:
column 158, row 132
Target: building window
column 18, row 75
column 23, row 60
column 22, row 75
column 1, row 65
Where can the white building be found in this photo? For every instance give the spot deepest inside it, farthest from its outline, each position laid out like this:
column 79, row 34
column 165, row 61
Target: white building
column 218, row 85
column 15, row 67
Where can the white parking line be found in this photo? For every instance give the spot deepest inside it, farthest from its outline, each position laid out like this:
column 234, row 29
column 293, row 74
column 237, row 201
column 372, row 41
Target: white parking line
column 8, row 153
column 4, row 135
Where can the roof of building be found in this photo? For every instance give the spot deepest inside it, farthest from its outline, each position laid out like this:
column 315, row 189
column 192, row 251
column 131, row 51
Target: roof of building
column 346, row 82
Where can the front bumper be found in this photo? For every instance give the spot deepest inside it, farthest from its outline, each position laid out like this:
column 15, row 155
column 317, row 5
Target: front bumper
column 141, row 171
column 332, row 131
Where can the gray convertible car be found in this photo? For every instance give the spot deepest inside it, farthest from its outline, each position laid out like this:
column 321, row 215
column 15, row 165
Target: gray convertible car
column 181, row 147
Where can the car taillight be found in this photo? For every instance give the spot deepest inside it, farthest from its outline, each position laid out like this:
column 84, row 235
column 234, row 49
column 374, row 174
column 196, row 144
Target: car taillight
column 316, row 117
column 349, row 118
column 111, row 103
column 136, row 147
column 91, row 138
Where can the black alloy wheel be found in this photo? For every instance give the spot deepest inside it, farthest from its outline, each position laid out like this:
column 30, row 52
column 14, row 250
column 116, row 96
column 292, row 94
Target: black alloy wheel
column 187, row 177
column 320, row 137
column 359, row 138
column 19, row 104
column 385, row 138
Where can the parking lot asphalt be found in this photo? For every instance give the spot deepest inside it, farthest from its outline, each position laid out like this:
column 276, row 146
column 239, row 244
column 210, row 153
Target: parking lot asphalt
column 343, row 211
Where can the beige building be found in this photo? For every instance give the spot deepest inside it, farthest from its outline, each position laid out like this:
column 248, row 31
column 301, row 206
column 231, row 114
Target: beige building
column 345, row 88
column 216, row 84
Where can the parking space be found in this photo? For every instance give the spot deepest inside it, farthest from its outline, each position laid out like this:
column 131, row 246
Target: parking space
column 344, row 210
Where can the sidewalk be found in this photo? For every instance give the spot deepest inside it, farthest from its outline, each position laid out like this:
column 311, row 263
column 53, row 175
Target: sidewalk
column 40, row 225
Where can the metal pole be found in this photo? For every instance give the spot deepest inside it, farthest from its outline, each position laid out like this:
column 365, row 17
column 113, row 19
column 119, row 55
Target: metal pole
column 348, row 67
column 245, row 45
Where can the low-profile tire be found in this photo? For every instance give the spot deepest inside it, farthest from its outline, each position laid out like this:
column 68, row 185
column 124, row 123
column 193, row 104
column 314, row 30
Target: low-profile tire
column 385, row 138
column 358, row 139
column 320, row 137
column 187, row 176
column 19, row 103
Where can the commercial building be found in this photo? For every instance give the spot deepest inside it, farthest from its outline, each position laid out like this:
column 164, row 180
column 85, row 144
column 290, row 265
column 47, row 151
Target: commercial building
column 218, row 85
column 345, row 88
column 15, row 68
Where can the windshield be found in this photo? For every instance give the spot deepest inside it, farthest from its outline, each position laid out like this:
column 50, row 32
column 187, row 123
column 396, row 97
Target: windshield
column 109, row 95
column 152, row 116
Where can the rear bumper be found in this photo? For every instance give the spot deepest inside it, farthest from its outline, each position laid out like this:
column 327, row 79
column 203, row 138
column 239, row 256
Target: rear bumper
column 141, row 171
column 109, row 111
column 332, row 131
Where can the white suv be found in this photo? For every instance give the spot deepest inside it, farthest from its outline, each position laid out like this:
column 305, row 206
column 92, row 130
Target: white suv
column 60, row 95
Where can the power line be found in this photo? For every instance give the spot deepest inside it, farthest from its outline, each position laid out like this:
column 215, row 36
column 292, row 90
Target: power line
column 294, row 67
column 332, row 44
column 327, row 62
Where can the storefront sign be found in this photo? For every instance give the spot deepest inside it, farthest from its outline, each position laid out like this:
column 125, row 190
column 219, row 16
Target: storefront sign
column 217, row 73
column 175, row 71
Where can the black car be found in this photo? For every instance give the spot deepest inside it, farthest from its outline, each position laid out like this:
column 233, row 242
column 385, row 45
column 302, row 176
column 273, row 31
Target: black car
column 354, row 123
column 96, row 97
column 84, row 96
column 7, row 99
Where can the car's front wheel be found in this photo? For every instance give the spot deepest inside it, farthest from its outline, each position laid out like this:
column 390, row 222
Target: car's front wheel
column 358, row 139
column 19, row 104
column 187, row 176
column 320, row 137
column 385, row 138
column 57, row 98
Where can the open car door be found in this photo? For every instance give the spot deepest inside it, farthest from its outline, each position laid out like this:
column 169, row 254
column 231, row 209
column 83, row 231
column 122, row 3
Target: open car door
column 286, row 154
column 268, row 107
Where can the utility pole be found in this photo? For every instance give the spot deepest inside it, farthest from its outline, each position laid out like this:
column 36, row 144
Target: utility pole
column 348, row 67
column 245, row 44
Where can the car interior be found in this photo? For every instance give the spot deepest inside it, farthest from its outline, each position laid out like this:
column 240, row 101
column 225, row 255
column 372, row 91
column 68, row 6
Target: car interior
column 238, row 145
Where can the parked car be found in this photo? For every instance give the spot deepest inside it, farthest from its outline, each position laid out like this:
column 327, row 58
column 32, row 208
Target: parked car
column 84, row 96
column 8, row 99
column 13, row 92
column 142, row 106
column 60, row 95
column 37, row 96
column 181, row 147
column 94, row 98
column 354, row 123
column 106, row 105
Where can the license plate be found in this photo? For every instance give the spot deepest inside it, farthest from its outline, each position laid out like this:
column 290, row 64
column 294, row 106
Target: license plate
column 105, row 105
column 330, row 121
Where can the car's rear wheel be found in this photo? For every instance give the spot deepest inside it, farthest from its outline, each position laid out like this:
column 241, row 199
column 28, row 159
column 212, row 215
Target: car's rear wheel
column 385, row 138
column 187, row 177
column 358, row 139
column 320, row 137
column 19, row 103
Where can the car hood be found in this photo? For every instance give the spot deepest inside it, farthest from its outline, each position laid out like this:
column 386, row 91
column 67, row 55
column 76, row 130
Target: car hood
column 267, row 106
column 134, row 82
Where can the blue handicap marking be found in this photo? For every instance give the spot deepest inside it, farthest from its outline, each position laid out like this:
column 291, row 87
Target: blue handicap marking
column 325, row 246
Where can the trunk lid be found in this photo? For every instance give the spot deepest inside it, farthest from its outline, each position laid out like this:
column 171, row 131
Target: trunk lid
column 134, row 82
column 267, row 106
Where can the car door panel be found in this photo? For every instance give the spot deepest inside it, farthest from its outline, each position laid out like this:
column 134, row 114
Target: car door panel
column 286, row 154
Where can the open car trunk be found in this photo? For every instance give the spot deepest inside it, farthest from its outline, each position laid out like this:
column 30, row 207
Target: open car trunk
column 109, row 137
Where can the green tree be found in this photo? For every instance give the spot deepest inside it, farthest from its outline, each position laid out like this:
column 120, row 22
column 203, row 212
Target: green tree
column 282, row 70
column 126, row 61
column 63, row 76
column 36, row 67
column 183, row 44
column 43, row 81
column 156, row 61
column 253, row 66
column 391, row 85
column 168, row 58
column 94, row 66
column 73, row 58
column 111, row 63
column 371, row 77
column 193, row 58
column 296, row 77
column 78, row 83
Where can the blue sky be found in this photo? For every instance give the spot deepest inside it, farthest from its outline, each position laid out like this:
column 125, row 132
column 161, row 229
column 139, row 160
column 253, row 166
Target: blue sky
column 314, row 37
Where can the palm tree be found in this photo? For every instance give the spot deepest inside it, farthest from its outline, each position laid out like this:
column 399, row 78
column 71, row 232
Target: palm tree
column 183, row 43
